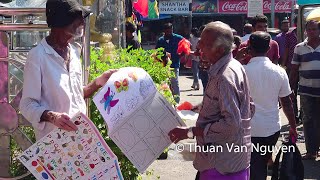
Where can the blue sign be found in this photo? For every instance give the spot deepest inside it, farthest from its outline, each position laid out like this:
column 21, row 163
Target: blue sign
column 306, row 2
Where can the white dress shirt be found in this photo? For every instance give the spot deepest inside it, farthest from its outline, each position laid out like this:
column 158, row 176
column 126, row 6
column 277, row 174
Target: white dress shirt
column 267, row 83
column 48, row 85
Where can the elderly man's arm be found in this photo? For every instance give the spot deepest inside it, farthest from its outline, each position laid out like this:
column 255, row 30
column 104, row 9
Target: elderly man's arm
column 94, row 86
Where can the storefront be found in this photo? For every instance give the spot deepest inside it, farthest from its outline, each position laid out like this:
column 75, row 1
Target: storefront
column 232, row 12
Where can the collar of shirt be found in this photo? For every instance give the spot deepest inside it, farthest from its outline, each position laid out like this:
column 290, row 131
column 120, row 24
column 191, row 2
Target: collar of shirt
column 48, row 49
column 214, row 69
column 305, row 43
column 259, row 59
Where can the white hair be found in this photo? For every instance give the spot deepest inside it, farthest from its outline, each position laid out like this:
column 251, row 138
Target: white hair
column 223, row 34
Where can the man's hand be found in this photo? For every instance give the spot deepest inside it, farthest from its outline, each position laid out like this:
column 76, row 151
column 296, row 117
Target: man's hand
column 94, row 86
column 104, row 77
column 242, row 54
column 61, row 120
column 178, row 134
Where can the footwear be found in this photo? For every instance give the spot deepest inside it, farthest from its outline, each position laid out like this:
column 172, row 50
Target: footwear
column 196, row 87
column 309, row 156
column 192, row 86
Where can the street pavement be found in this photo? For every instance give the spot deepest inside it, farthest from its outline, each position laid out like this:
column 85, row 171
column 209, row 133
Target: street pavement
column 178, row 165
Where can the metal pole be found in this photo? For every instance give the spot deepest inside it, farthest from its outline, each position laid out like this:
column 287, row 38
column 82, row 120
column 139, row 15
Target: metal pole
column 190, row 16
column 86, row 58
column 292, row 12
column 272, row 13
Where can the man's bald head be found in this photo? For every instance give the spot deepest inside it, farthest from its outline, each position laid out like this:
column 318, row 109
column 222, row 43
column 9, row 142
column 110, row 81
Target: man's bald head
column 247, row 29
column 221, row 34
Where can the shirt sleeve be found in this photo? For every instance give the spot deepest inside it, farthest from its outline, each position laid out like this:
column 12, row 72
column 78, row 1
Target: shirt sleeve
column 276, row 50
column 285, row 89
column 230, row 115
column 30, row 106
column 158, row 45
column 296, row 57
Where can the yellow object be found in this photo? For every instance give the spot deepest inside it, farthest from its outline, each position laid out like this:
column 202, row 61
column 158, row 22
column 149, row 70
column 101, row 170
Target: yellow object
column 88, row 2
column 39, row 168
column 314, row 15
column 139, row 36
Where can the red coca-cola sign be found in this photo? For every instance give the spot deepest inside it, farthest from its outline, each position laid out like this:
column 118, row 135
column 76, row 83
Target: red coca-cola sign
column 236, row 6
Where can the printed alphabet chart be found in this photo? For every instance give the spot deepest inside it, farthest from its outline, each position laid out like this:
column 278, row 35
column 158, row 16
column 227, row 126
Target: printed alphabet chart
column 73, row 155
column 138, row 117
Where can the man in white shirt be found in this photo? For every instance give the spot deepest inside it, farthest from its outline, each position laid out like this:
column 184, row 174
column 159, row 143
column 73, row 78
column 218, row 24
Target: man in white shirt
column 52, row 89
column 268, row 82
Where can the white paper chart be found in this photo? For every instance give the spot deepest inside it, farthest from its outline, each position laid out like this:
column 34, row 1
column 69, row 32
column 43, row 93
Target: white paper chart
column 63, row 155
column 138, row 117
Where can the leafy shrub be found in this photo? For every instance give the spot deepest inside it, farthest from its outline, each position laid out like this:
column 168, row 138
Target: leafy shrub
column 122, row 58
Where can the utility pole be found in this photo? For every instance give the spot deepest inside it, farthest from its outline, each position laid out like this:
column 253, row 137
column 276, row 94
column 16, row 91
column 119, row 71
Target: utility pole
column 272, row 13
column 190, row 16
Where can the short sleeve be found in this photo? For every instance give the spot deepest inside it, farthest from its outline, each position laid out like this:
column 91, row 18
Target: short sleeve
column 296, row 56
column 285, row 89
column 276, row 50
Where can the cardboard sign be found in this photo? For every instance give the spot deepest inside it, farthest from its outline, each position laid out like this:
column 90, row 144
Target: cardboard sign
column 138, row 117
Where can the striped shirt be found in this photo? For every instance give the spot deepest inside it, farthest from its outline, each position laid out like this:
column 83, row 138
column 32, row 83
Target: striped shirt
column 225, row 117
column 308, row 60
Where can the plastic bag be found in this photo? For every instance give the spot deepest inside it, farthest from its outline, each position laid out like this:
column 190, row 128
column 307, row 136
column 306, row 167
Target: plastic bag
column 291, row 167
column 184, row 46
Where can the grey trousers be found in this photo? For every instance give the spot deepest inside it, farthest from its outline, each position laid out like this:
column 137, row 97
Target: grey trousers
column 311, row 122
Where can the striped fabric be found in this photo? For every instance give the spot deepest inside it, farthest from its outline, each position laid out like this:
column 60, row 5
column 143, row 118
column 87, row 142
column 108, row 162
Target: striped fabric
column 308, row 60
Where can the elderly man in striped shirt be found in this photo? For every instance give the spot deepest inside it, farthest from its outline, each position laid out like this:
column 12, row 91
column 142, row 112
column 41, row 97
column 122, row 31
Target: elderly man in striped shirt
column 224, row 119
column 306, row 64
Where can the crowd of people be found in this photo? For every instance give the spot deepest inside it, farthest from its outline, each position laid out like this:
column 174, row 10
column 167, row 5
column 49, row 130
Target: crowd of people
column 241, row 77
column 248, row 85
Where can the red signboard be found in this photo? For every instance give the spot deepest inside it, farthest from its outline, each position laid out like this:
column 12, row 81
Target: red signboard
column 241, row 6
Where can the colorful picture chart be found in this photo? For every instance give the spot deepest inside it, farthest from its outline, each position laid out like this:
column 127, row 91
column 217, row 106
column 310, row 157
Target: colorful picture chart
column 66, row 155
column 138, row 117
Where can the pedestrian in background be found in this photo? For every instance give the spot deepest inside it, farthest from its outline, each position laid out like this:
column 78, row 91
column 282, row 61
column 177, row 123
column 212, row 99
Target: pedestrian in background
column 305, row 69
column 204, row 65
column 281, row 39
column 237, row 42
column 194, row 39
column 169, row 41
column 259, row 23
column 247, row 30
column 130, row 38
column 291, row 42
column 268, row 83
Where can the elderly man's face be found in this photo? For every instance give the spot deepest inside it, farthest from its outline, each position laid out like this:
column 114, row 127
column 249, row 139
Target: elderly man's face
column 206, row 44
column 76, row 28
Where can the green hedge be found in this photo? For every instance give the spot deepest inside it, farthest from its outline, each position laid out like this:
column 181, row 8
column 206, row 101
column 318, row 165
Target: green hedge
column 122, row 58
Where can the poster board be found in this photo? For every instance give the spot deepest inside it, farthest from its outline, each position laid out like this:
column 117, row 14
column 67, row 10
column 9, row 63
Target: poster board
column 139, row 118
column 64, row 155
column 255, row 7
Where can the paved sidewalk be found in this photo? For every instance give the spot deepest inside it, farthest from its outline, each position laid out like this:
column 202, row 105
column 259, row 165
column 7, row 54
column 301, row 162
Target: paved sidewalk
column 179, row 166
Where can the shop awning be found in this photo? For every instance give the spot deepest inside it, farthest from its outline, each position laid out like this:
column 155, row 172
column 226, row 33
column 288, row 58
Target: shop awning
column 161, row 16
